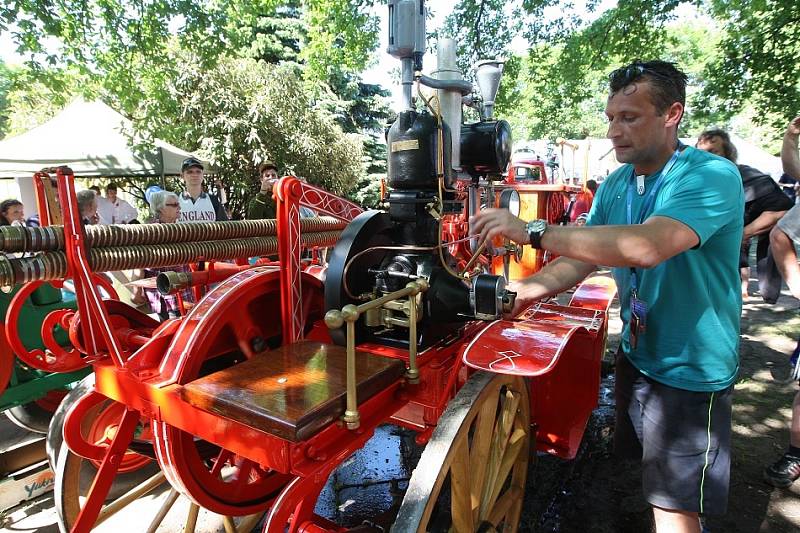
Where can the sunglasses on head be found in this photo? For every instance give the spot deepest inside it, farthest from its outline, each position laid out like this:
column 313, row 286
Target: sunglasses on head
column 626, row 75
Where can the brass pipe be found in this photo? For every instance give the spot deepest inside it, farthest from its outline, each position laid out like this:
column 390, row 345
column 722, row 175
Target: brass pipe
column 14, row 239
column 413, row 372
column 53, row 265
column 351, row 417
column 348, row 316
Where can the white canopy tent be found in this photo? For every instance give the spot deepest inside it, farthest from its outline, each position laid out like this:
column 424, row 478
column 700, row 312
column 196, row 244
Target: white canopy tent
column 93, row 140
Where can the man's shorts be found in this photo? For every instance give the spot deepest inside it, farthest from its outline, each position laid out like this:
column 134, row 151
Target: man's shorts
column 682, row 437
column 790, row 223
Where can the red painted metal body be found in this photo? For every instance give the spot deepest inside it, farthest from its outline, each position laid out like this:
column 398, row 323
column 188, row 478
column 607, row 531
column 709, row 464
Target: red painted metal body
column 146, row 373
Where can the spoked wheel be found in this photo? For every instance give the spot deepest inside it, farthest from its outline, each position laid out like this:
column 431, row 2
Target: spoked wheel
column 35, row 416
column 74, row 476
column 244, row 319
column 236, row 320
column 471, row 476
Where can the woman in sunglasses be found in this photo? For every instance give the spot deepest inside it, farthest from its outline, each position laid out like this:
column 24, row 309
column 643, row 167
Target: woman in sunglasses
column 165, row 209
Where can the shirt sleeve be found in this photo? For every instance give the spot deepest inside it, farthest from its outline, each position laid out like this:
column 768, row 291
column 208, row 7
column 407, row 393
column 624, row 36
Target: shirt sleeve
column 261, row 207
column 220, row 213
column 706, row 198
column 127, row 211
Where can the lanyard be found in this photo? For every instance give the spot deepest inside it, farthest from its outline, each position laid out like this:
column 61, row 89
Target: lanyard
column 648, row 201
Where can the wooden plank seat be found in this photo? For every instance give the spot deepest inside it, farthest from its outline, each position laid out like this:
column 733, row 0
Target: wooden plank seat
column 291, row 392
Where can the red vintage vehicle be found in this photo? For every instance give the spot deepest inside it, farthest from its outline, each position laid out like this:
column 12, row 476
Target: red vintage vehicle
column 273, row 379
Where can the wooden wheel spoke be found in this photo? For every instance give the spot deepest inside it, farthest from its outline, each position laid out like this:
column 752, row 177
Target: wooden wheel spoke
column 461, row 498
column 172, row 496
column 516, row 445
column 228, row 524
column 191, row 518
column 479, row 452
column 505, row 421
column 503, row 505
column 481, row 447
column 126, row 499
column 247, row 523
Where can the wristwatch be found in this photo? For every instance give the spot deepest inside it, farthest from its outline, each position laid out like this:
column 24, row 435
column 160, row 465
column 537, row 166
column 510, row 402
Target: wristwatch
column 535, row 230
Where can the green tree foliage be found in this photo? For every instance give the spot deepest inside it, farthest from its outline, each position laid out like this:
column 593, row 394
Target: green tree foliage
column 754, row 62
column 5, row 87
column 242, row 112
column 483, row 30
column 269, row 30
column 759, row 60
column 341, row 36
column 31, row 102
column 740, row 55
column 134, row 55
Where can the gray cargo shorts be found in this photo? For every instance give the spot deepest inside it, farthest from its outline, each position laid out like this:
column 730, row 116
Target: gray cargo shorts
column 683, row 439
column 790, row 223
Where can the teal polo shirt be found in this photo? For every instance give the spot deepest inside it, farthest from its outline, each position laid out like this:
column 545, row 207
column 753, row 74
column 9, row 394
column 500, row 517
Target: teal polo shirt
column 694, row 299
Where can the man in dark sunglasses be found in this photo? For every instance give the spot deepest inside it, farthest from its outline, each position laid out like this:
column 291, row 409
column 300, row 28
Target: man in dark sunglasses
column 669, row 223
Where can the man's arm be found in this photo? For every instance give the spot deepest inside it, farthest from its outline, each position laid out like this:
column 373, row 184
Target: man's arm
column 762, row 224
column 555, row 277
column 789, row 151
column 639, row 245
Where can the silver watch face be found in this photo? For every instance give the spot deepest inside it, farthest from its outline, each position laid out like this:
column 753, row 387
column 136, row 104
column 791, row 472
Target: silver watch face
column 536, row 226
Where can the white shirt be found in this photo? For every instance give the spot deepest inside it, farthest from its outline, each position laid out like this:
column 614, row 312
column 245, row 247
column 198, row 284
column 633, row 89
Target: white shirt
column 200, row 210
column 119, row 212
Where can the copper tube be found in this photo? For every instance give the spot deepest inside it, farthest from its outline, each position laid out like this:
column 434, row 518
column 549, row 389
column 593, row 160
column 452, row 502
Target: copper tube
column 53, row 265
column 15, row 239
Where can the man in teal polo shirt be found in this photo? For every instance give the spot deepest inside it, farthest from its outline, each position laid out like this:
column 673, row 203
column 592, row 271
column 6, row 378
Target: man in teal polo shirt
column 669, row 222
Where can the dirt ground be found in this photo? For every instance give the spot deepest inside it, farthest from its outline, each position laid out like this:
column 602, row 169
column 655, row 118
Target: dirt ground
column 597, row 493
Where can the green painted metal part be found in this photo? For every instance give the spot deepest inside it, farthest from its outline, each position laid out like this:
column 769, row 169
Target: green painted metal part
column 36, row 385
column 27, row 384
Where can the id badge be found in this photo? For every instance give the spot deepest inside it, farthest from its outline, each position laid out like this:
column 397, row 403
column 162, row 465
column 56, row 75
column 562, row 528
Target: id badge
column 634, row 330
column 638, row 322
column 639, row 308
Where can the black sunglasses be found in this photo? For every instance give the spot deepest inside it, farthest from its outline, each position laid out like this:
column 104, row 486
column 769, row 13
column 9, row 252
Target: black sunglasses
column 626, row 75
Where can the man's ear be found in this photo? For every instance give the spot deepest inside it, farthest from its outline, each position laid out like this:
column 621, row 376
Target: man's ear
column 674, row 115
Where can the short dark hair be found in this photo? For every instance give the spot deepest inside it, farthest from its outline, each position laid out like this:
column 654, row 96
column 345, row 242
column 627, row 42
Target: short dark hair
column 668, row 83
column 111, row 187
column 591, row 185
column 729, row 150
column 95, row 188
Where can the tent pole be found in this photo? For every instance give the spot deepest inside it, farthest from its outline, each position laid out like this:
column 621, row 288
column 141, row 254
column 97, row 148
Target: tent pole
column 163, row 179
